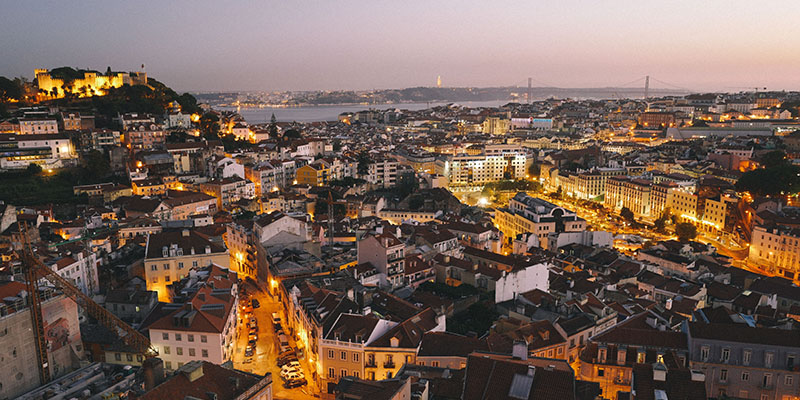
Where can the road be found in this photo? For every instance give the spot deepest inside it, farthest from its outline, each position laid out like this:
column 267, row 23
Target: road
column 264, row 357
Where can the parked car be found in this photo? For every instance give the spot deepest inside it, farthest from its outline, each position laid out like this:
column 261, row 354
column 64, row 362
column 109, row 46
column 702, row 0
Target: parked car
column 286, row 360
column 248, row 352
column 276, row 318
column 251, row 343
column 256, row 304
column 292, row 375
column 252, row 337
column 289, row 384
column 278, row 328
column 291, row 365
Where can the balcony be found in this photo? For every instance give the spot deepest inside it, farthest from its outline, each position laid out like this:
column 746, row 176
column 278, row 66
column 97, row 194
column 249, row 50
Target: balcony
column 370, row 364
column 388, row 364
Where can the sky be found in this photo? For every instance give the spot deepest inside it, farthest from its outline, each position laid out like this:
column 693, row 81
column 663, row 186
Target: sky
column 265, row 45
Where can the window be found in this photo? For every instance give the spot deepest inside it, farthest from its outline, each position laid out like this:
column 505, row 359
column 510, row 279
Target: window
column 344, row 373
column 168, row 364
column 768, row 358
column 203, row 339
column 790, row 362
column 330, row 354
column 180, row 265
column 767, row 380
column 745, row 376
column 167, row 279
column 746, row 357
column 165, row 336
column 408, row 359
column 704, row 353
column 194, row 263
column 166, row 266
column 129, row 357
column 154, row 267
column 118, row 357
column 191, row 352
column 355, row 374
column 179, row 351
column 726, row 354
column 601, row 372
column 434, row 363
column 154, row 279
column 139, row 358
column 355, row 357
column 343, row 355
column 177, row 337
column 166, row 349
column 788, row 380
column 204, row 352
column 190, row 338
column 723, row 375
column 331, row 373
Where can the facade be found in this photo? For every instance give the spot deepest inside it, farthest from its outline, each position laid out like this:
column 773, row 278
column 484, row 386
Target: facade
column 102, row 138
column 48, row 151
column 387, row 254
column 626, row 192
column 481, row 169
column 777, row 250
column 229, row 190
column 203, row 327
column 81, row 270
column 144, row 136
column 38, row 126
column 315, row 174
column 170, row 255
column 382, row 173
column 527, row 214
column 94, row 82
column 745, row 362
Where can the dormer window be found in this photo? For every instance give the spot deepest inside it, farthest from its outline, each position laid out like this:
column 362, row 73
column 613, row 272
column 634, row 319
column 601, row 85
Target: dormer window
column 394, row 342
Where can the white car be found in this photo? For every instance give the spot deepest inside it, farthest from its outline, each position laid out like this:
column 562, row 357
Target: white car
column 291, row 365
column 292, row 376
column 291, row 371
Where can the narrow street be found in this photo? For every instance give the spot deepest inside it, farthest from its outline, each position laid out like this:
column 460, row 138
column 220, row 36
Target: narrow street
column 264, row 358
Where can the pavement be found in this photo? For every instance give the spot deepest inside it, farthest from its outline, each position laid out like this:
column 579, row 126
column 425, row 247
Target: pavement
column 264, row 359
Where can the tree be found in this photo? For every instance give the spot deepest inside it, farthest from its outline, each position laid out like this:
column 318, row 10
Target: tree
column 273, row 127
column 209, row 125
column 33, row 169
column 9, row 90
column 685, row 231
column 661, row 222
column 773, row 181
column 534, row 170
column 627, row 215
column 774, row 159
column 292, row 134
column 363, row 163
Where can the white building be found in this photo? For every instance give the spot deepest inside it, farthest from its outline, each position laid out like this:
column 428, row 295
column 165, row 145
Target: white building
column 481, row 169
column 586, row 238
column 268, row 226
column 204, row 326
column 522, row 280
column 81, row 270
column 387, row 254
column 38, row 126
column 48, row 151
column 382, row 173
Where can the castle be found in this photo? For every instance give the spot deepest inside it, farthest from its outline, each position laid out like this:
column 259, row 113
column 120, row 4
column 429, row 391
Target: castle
column 92, row 83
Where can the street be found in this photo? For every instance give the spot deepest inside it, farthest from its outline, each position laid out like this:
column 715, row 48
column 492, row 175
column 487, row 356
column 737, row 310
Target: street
column 267, row 347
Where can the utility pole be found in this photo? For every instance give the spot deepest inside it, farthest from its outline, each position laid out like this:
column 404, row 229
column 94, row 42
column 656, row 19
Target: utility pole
column 529, row 90
column 646, row 87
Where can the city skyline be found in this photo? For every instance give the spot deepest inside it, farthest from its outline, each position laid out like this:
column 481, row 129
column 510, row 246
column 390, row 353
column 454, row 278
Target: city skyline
column 710, row 46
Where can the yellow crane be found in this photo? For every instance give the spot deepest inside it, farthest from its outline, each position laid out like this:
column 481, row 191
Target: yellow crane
column 35, row 270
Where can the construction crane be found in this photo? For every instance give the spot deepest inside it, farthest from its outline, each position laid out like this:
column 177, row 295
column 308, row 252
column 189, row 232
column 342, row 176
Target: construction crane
column 35, row 270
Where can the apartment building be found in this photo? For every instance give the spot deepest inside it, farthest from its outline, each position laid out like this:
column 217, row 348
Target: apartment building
column 38, row 126
column 46, row 150
column 80, row 269
column 745, row 362
column 229, row 190
column 527, row 214
column 314, row 174
column 202, row 326
column 170, row 255
column 386, row 253
column 143, row 136
column 382, row 173
column 481, row 169
column 777, row 250
column 626, row 192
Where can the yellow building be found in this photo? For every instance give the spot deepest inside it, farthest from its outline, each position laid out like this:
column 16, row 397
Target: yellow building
column 496, row 126
column 776, row 250
column 316, row 174
column 92, row 83
column 148, row 187
column 170, row 255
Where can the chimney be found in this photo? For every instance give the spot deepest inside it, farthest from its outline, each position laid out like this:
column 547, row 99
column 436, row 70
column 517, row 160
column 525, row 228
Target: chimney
column 208, row 249
column 520, row 350
column 660, row 372
column 153, row 371
column 669, row 304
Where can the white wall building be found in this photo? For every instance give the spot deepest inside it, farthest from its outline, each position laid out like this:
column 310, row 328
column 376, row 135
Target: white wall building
column 522, row 280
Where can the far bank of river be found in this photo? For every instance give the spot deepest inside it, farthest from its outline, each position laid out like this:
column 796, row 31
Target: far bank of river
column 331, row 113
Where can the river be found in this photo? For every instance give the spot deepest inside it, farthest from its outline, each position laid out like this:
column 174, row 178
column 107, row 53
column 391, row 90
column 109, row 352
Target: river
column 331, row 113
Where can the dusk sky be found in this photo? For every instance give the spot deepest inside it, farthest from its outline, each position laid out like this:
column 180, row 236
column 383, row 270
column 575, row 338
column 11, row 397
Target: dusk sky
column 305, row 45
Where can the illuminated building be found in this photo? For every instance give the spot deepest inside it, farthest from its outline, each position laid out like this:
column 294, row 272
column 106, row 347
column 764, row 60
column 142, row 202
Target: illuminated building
column 48, row 151
column 777, row 250
column 170, row 255
column 626, row 192
column 527, row 214
column 482, row 169
column 92, row 83
column 586, row 185
column 240, row 238
column 38, row 126
column 144, row 136
column 495, row 126
column 229, row 190
column 148, row 187
column 201, row 322
column 315, row 174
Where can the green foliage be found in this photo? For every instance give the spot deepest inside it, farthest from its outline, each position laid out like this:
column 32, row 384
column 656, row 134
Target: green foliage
column 33, row 169
column 627, row 215
column 363, row 162
column 273, row 127
column 661, row 223
column 510, row 186
column 9, row 89
column 478, row 318
column 451, row 292
column 534, row 170
column 292, row 134
column 685, row 231
column 774, row 159
column 780, row 179
column 28, row 188
column 209, row 125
